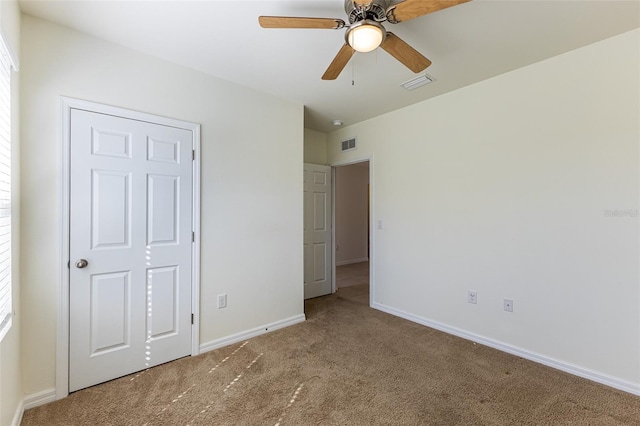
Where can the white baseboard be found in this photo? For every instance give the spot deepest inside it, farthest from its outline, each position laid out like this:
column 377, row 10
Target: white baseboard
column 614, row 382
column 17, row 417
column 248, row 334
column 349, row 262
column 40, row 398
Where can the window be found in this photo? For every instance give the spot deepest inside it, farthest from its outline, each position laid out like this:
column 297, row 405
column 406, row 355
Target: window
column 6, row 310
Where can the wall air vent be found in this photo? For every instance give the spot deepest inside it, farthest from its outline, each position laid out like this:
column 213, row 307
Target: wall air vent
column 348, row 145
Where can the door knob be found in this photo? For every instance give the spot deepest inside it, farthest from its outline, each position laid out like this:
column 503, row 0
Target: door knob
column 82, row 263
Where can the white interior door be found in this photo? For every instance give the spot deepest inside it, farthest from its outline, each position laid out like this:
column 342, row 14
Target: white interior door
column 317, row 231
column 131, row 221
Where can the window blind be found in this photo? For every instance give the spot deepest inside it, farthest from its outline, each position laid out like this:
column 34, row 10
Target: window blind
column 6, row 311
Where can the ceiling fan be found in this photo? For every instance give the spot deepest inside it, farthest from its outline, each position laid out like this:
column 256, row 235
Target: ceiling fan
column 365, row 32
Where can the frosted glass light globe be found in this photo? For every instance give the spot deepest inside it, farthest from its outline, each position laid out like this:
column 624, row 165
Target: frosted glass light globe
column 366, row 36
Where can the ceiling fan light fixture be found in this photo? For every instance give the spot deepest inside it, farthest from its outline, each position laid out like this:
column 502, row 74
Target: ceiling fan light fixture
column 365, row 36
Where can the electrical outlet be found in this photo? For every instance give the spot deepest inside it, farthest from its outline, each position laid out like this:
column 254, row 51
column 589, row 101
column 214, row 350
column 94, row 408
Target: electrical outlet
column 472, row 297
column 222, row 301
column 508, row 305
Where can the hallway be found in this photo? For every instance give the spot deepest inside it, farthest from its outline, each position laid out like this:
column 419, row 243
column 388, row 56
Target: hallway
column 353, row 281
column 352, row 274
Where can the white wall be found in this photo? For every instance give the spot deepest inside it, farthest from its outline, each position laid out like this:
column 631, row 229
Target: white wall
column 503, row 187
column 315, row 147
column 10, row 363
column 352, row 193
column 251, row 182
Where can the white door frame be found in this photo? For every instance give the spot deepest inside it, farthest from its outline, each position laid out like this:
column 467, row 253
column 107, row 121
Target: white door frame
column 62, row 335
column 372, row 235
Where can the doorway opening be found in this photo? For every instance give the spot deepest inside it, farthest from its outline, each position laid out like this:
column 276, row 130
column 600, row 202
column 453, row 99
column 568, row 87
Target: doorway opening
column 352, row 241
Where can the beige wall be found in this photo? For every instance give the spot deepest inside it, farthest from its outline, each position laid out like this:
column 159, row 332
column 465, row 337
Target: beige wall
column 524, row 186
column 352, row 186
column 315, row 147
column 245, row 168
column 10, row 363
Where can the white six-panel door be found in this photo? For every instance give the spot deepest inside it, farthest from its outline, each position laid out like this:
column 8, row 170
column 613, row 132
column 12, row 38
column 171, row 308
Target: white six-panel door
column 131, row 220
column 317, row 231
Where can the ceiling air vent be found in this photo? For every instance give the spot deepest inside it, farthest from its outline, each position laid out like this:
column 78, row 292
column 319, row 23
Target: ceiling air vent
column 348, row 145
column 417, row 82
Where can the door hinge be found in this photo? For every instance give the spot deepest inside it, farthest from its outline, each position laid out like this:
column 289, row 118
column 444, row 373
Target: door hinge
column 193, row 237
column 191, row 319
column 69, row 265
column 193, row 154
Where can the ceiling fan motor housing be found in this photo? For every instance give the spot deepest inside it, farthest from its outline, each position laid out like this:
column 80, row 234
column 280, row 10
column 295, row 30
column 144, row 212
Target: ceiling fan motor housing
column 376, row 10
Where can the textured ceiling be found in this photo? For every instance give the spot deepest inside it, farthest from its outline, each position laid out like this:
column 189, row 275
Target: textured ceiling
column 466, row 43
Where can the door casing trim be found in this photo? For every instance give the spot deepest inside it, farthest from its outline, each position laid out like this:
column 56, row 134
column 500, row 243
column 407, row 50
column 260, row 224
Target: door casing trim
column 64, row 143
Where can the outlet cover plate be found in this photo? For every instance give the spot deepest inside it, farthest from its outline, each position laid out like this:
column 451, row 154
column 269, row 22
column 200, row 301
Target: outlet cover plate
column 508, row 305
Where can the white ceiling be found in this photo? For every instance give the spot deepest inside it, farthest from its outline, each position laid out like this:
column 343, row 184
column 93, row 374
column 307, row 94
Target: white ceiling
column 466, row 43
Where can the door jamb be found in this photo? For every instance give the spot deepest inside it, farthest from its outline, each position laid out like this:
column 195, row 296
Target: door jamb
column 64, row 143
column 372, row 237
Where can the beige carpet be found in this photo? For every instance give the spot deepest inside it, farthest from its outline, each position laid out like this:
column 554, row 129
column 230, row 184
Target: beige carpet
column 346, row 365
column 352, row 274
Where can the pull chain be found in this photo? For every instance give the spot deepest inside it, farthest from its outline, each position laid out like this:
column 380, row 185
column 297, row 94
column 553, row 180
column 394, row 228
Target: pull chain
column 353, row 74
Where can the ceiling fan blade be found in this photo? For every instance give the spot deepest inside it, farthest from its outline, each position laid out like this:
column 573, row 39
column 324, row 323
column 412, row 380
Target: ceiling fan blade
column 291, row 22
column 410, row 9
column 339, row 62
column 404, row 53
